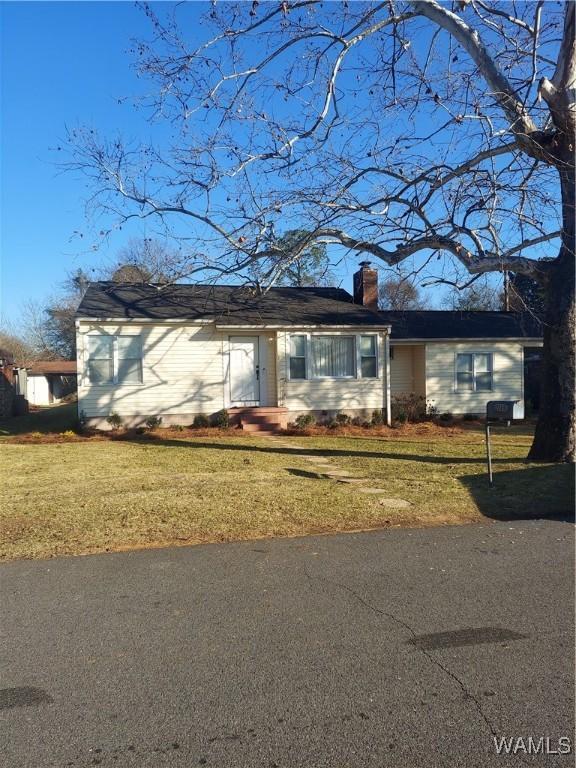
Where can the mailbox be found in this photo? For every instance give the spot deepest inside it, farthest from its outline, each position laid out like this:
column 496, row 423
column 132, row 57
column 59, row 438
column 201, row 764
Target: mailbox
column 504, row 410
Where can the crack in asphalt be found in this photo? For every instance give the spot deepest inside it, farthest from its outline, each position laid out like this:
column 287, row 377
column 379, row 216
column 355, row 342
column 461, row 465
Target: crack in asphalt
column 469, row 696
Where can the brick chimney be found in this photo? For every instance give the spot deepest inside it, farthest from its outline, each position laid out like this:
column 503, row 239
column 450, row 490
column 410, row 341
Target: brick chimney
column 366, row 286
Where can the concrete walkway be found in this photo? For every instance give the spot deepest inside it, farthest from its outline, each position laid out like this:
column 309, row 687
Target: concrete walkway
column 326, row 467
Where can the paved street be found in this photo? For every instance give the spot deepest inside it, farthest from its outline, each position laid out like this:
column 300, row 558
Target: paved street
column 400, row 648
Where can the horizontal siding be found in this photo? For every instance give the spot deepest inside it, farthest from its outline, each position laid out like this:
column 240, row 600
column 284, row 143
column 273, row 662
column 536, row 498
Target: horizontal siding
column 440, row 375
column 408, row 370
column 183, row 372
column 401, row 370
column 327, row 394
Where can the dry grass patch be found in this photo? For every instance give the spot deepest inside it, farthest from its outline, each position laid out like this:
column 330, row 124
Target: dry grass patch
column 100, row 495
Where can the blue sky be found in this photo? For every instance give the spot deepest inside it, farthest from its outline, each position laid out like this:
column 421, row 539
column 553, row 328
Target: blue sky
column 63, row 64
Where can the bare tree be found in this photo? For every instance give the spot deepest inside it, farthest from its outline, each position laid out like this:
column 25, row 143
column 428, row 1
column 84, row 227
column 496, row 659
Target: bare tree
column 480, row 296
column 149, row 260
column 389, row 128
column 311, row 268
column 17, row 346
column 399, row 293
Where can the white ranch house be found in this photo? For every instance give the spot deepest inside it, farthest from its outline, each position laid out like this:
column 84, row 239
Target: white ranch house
column 176, row 351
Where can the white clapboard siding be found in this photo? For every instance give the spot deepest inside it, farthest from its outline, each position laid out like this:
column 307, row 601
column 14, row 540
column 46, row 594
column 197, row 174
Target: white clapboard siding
column 441, row 390
column 182, row 371
column 327, row 394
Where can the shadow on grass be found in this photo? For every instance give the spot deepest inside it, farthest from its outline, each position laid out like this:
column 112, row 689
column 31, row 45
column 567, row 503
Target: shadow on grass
column 55, row 418
column 535, row 491
column 307, row 475
column 251, row 447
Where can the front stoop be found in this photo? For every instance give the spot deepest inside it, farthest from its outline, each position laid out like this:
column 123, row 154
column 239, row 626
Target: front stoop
column 261, row 419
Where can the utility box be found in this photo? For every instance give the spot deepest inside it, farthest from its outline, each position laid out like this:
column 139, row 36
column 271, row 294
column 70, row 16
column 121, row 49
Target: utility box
column 504, row 410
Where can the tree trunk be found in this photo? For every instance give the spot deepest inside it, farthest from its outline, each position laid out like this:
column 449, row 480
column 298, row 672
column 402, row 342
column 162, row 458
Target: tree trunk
column 555, row 438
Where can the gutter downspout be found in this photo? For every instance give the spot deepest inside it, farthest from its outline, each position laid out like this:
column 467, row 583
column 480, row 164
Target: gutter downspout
column 387, row 396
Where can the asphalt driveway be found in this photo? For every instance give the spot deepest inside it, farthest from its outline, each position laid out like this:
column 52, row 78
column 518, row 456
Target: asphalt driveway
column 396, row 648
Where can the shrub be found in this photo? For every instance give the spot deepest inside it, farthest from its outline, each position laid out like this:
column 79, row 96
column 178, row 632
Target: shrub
column 343, row 419
column 378, row 418
column 305, row 420
column 153, row 422
column 401, row 417
column 409, row 407
column 114, row 420
column 470, row 417
column 333, row 424
column 446, row 416
column 431, row 410
column 68, row 433
column 177, row 428
column 357, row 421
column 36, row 435
column 201, row 421
column 221, row 419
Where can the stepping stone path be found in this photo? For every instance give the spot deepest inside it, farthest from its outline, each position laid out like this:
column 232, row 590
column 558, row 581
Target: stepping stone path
column 333, row 472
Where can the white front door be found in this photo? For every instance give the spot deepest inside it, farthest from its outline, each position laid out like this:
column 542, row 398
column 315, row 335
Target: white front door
column 244, row 371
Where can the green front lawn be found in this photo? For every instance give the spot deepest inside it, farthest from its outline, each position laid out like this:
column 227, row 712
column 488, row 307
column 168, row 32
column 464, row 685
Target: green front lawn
column 99, row 495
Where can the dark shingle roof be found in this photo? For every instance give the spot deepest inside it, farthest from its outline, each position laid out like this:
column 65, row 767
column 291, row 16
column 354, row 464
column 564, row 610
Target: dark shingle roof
column 233, row 305
column 437, row 324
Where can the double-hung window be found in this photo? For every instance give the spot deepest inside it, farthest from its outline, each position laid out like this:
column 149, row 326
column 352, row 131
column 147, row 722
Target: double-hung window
column 114, row 359
column 368, row 358
column 298, row 356
column 129, row 360
column 100, row 359
column 474, row 372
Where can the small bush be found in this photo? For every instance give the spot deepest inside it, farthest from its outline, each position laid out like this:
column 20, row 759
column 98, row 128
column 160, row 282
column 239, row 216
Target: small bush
column 343, row 419
column 333, row 424
column 378, row 418
column 409, row 407
column 68, row 434
column 357, row 421
column 431, row 410
column 470, row 417
column 305, row 420
column 177, row 428
column 221, row 419
column 153, row 422
column 36, row 435
column 446, row 416
column 201, row 421
column 401, row 417
column 114, row 420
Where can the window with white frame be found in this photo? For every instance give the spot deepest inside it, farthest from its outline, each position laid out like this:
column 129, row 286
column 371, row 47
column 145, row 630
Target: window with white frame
column 114, row 359
column 100, row 363
column 322, row 356
column 368, row 357
column 298, row 356
column 474, row 372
